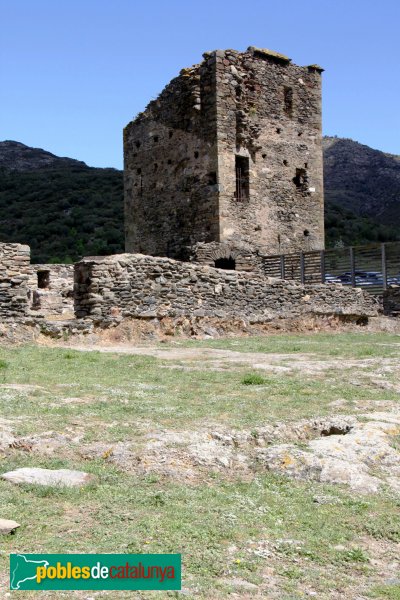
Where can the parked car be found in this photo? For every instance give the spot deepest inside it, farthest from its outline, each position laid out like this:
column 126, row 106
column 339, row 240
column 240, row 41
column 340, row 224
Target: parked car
column 362, row 278
column 331, row 278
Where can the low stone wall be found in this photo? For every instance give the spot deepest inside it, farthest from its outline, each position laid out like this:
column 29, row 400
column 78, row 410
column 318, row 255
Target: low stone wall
column 108, row 289
column 14, row 275
column 51, row 289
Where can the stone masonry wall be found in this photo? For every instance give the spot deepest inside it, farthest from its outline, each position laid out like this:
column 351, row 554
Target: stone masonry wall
column 391, row 301
column 170, row 168
column 269, row 114
column 133, row 285
column 244, row 256
column 14, row 275
column 249, row 119
column 51, row 289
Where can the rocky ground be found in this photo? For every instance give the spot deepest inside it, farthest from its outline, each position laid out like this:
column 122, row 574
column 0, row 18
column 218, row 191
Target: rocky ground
column 303, row 491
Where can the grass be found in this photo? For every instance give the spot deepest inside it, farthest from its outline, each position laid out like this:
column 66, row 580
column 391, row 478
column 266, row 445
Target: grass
column 344, row 345
column 222, row 524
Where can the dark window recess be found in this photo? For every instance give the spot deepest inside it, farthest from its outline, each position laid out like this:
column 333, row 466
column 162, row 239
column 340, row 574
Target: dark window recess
column 196, row 154
column 300, row 180
column 83, row 277
column 278, row 130
column 306, row 233
column 139, row 171
column 155, row 166
column 285, row 162
column 155, row 139
column 242, row 178
column 264, row 155
column 169, row 161
column 225, row 263
column 137, row 144
column 212, row 178
column 288, row 100
column 43, row 279
column 171, row 133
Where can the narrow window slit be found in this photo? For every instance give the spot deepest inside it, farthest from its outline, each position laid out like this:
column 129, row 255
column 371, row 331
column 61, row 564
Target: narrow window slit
column 288, row 100
column 242, row 178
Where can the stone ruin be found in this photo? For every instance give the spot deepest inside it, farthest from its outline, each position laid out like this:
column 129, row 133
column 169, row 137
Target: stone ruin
column 230, row 152
column 37, row 290
column 103, row 291
column 225, row 167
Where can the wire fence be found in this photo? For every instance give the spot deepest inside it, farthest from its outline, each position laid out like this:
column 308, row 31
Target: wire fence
column 374, row 267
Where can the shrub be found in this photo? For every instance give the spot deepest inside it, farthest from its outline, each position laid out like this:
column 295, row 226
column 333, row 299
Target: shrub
column 253, row 379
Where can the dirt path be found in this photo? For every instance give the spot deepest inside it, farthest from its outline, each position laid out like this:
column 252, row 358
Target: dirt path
column 275, row 362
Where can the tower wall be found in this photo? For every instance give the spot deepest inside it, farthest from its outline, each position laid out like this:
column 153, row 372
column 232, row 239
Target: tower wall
column 269, row 117
column 170, row 168
column 229, row 152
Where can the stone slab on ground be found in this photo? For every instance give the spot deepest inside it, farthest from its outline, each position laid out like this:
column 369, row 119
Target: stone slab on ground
column 8, row 526
column 57, row 477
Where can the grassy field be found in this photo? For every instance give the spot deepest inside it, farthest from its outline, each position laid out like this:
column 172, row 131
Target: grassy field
column 257, row 535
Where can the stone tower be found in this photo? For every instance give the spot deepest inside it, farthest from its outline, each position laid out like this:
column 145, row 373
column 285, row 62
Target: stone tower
column 230, row 152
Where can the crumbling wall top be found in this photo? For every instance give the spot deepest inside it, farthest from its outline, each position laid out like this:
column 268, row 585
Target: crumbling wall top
column 265, row 52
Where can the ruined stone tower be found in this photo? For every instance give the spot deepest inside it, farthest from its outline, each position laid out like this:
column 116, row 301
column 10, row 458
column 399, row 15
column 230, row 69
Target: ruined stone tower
column 230, row 152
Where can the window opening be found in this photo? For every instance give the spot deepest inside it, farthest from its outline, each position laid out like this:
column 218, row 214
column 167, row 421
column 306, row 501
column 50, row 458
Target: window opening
column 242, row 178
column 43, row 279
column 288, row 100
column 300, row 180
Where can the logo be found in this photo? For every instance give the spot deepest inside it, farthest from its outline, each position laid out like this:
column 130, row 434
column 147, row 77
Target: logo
column 95, row 571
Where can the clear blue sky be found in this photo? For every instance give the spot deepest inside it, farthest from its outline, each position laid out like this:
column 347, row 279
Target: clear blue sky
column 74, row 73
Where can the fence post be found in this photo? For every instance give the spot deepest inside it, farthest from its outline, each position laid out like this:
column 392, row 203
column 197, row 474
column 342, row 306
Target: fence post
column 282, row 266
column 302, row 268
column 384, row 266
column 322, row 255
column 352, row 266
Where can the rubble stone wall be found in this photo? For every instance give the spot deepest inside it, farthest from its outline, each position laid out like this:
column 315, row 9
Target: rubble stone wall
column 14, row 275
column 170, row 168
column 391, row 301
column 51, row 288
column 133, row 285
column 249, row 119
column 244, row 256
column 269, row 114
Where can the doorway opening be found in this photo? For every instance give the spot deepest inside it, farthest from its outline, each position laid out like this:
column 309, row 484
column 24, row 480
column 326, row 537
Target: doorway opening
column 225, row 263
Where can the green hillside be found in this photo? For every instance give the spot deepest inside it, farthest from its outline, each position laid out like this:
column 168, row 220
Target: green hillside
column 63, row 213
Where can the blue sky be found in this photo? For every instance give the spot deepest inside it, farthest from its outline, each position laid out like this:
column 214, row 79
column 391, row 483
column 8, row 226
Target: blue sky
column 74, row 73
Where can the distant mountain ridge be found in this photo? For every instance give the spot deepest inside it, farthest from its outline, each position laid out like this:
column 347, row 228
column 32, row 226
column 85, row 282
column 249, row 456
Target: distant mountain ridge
column 362, row 178
column 362, row 192
column 64, row 209
column 15, row 156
